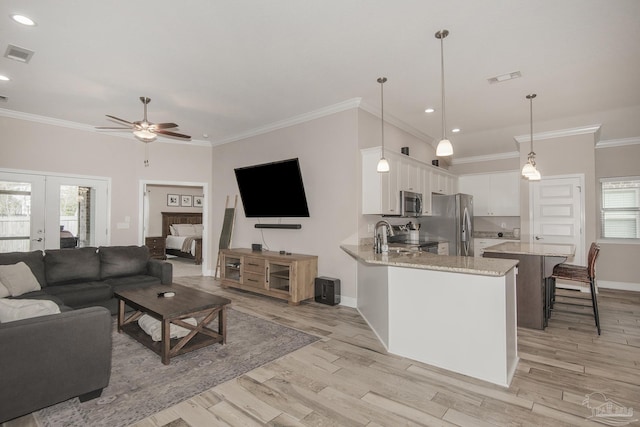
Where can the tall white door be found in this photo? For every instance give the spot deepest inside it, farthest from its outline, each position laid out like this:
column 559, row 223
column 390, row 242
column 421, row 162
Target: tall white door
column 557, row 213
column 22, row 212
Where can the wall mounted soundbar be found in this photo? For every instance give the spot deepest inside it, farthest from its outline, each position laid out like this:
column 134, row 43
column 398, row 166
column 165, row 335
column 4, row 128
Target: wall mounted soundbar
column 287, row 226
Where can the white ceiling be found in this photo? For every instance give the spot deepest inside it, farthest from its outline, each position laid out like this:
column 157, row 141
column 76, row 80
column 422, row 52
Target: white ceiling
column 228, row 68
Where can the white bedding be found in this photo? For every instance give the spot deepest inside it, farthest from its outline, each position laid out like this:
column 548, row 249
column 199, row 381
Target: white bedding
column 175, row 242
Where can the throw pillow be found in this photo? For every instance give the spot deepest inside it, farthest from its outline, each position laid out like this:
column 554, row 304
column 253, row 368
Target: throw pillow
column 4, row 292
column 153, row 327
column 17, row 309
column 18, row 279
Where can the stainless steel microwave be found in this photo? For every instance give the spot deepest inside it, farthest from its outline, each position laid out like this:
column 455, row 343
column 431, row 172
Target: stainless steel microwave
column 410, row 204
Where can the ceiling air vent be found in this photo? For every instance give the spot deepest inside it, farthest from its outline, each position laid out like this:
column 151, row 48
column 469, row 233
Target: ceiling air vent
column 18, row 53
column 505, row 77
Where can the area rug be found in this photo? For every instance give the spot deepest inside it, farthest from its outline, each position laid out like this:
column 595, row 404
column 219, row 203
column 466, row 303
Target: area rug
column 141, row 385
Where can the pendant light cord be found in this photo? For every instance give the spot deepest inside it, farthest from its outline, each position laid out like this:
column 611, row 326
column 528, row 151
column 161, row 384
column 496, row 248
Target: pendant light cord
column 382, row 80
column 443, row 34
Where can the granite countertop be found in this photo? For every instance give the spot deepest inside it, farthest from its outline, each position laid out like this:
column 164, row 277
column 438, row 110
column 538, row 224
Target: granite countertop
column 429, row 261
column 528, row 248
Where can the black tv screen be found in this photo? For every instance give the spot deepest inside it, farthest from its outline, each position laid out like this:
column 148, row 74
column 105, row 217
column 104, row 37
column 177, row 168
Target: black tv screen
column 272, row 190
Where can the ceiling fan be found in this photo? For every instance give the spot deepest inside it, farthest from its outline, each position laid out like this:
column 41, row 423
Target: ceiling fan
column 143, row 129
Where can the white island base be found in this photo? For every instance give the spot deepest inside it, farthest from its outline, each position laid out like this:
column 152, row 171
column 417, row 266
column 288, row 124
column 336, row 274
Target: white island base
column 464, row 323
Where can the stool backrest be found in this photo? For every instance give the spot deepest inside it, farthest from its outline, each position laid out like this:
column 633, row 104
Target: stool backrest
column 594, row 250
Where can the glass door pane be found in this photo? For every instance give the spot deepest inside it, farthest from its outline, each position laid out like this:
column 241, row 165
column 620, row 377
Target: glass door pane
column 21, row 212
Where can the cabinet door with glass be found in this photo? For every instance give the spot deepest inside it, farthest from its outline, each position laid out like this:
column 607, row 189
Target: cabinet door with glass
column 231, row 268
column 279, row 276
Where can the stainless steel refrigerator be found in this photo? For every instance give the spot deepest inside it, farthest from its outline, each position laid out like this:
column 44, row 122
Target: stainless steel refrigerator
column 452, row 220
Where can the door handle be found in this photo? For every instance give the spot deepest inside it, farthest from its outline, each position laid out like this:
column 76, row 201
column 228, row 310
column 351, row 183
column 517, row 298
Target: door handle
column 539, row 238
column 39, row 239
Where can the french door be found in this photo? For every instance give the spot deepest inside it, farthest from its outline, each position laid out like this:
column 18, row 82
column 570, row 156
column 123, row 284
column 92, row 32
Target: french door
column 40, row 212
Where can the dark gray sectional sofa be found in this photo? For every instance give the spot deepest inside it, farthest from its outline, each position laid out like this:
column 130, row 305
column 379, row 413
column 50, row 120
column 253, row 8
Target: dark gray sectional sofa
column 52, row 358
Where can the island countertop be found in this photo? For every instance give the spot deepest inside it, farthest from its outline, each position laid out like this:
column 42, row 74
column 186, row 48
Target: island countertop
column 429, row 261
column 528, row 248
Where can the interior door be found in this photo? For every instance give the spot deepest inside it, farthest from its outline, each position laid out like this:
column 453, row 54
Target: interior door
column 557, row 213
column 22, row 219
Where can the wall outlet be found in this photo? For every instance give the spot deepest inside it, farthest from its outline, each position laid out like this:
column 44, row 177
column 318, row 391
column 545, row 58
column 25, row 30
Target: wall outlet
column 503, row 225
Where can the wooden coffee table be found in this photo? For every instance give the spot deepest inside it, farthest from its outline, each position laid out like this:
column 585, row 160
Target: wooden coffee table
column 187, row 302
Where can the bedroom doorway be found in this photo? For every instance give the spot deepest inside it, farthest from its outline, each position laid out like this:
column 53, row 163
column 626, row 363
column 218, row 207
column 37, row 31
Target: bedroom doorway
column 175, row 213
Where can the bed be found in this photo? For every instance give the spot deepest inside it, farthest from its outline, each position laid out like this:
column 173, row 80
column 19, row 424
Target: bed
column 187, row 245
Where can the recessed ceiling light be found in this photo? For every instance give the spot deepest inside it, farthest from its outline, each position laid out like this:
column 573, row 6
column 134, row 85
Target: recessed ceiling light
column 4, row 78
column 455, row 130
column 24, row 20
column 429, row 110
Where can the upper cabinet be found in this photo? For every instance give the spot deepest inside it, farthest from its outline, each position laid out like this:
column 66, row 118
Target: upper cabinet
column 494, row 194
column 381, row 191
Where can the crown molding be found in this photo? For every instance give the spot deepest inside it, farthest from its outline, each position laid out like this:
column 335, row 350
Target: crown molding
column 89, row 128
column 595, row 129
column 618, row 142
column 302, row 118
column 375, row 111
column 486, row 158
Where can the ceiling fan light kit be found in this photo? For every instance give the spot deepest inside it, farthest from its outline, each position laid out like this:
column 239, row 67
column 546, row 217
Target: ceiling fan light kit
column 144, row 130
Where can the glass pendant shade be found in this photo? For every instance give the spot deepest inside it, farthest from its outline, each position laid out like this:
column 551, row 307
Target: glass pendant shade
column 444, row 148
column 528, row 170
column 535, row 176
column 383, row 165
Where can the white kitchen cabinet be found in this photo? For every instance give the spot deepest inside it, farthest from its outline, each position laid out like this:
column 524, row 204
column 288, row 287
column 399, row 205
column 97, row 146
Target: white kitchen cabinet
column 381, row 191
column 494, row 194
column 479, row 245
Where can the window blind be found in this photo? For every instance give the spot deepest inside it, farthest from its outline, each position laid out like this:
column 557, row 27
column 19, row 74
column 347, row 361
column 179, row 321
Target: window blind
column 620, row 212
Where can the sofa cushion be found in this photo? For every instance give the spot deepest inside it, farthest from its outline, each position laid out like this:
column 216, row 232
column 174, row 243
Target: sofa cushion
column 132, row 282
column 81, row 294
column 41, row 294
column 18, row 279
column 34, row 259
column 118, row 261
column 71, row 265
column 17, row 309
column 4, row 292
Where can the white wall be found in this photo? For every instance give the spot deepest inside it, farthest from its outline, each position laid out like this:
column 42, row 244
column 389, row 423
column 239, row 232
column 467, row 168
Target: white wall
column 329, row 158
column 33, row 146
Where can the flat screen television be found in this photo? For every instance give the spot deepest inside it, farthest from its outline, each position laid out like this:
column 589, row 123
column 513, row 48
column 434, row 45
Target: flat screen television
column 272, row 190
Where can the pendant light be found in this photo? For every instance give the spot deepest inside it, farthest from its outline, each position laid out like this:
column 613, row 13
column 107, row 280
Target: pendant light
column 444, row 147
column 383, row 164
column 529, row 170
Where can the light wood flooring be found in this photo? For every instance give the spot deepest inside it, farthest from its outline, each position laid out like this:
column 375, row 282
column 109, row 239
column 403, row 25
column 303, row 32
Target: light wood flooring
column 347, row 379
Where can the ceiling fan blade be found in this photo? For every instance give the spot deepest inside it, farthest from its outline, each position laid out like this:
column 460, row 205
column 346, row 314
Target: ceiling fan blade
column 164, row 125
column 110, row 127
column 119, row 119
column 169, row 133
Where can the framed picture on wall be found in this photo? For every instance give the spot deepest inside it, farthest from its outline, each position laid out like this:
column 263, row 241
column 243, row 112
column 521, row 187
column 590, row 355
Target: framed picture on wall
column 186, row 200
column 198, row 201
column 173, row 200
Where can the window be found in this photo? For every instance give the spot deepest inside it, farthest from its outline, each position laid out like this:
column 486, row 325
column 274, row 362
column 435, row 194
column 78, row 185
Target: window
column 620, row 213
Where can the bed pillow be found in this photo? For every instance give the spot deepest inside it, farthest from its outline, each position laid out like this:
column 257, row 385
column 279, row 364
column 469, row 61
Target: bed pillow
column 17, row 309
column 185, row 230
column 199, row 228
column 172, row 230
column 18, row 279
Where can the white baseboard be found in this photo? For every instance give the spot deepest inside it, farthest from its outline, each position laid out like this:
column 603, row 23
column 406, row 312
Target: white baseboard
column 622, row 286
column 348, row 301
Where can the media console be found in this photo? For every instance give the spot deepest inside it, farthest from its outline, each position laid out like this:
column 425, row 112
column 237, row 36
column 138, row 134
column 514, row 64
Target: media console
column 289, row 277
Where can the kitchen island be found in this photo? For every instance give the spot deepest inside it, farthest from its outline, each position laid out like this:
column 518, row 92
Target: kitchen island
column 456, row 313
column 536, row 262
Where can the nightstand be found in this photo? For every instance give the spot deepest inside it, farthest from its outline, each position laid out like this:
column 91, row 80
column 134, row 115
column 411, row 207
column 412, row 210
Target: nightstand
column 156, row 247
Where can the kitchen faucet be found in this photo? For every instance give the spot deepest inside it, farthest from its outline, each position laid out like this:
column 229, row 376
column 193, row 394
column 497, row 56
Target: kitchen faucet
column 381, row 244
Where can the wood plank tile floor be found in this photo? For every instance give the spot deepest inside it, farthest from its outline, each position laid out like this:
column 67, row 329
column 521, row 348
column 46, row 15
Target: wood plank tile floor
column 347, row 378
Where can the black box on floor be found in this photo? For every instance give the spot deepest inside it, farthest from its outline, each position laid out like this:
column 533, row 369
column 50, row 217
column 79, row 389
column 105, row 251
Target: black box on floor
column 327, row 290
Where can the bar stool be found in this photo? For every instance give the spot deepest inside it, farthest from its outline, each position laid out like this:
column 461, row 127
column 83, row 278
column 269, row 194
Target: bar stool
column 576, row 273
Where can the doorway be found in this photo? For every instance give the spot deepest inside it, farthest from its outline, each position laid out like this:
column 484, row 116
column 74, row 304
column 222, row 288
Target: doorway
column 161, row 197
column 41, row 211
column 557, row 212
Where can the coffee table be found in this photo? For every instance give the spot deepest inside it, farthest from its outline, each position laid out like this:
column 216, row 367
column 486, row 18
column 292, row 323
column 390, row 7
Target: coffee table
column 187, row 302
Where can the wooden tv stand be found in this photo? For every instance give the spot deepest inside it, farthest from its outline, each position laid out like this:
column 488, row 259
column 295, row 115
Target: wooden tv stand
column 288, row 277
